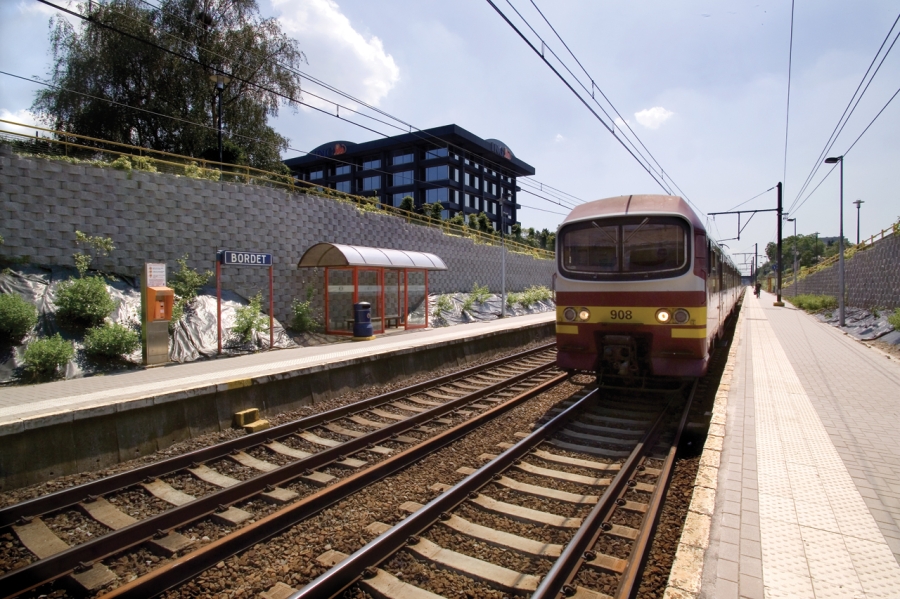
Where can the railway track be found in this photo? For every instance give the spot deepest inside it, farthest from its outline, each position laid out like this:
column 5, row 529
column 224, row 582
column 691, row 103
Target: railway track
column 252, row 487
column 588, row 485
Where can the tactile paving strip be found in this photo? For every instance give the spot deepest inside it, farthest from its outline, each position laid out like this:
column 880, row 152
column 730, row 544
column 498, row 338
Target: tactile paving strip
column 817, row 536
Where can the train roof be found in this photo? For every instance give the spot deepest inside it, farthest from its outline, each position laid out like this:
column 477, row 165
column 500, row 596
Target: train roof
column 635, row 204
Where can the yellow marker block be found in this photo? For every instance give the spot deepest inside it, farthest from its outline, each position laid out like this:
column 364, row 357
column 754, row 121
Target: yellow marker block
column 239, row 383
column 566, row 329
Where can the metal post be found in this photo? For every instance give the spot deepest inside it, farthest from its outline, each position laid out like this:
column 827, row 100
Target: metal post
column 778, row 301
column 220, row 86
column 841, row 250
column 503, row 263
column 219, row 303
column 271, row 306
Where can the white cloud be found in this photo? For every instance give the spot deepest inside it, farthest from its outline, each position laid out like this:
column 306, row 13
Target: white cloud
column 559, row 137
column 23, row 116
column 338, row 54
column 652, row 118
column 622, row 125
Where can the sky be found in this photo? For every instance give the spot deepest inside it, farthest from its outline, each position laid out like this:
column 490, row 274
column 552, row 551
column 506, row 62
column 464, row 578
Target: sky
column 703, row 84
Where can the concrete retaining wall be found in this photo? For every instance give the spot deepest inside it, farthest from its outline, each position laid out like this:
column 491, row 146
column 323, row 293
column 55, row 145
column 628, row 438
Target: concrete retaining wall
column 159, row 218
column 93, row 443
column 872, row 277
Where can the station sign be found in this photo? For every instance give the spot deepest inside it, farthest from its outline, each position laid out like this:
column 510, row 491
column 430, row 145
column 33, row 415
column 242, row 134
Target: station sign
column 239, row 258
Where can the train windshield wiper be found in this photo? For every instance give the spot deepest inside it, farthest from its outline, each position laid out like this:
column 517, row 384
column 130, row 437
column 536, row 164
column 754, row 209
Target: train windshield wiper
column 605, row 232
column 643, row 222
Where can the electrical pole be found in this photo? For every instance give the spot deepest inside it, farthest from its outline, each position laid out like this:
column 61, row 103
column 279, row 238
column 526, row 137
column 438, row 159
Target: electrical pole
column 778, row 301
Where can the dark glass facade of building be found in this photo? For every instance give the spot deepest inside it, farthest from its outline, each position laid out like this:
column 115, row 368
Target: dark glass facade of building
column 463, row 172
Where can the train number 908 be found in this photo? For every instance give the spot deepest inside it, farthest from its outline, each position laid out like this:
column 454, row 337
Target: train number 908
column 620, row 314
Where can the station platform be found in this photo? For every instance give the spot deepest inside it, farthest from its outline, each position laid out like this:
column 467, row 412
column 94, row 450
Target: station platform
column 80, row 424
column 807, row 500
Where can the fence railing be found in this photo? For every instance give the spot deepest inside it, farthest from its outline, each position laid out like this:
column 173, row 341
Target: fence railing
column 849, row 252
column 110, row 154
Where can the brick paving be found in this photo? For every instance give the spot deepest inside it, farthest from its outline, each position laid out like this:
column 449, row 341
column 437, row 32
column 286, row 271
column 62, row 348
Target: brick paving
column 808, row 486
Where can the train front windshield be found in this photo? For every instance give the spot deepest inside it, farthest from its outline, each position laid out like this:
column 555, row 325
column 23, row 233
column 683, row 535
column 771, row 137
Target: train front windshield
column 625, row 248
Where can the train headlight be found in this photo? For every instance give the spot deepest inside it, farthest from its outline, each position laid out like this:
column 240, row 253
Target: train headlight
column 584, row 314
column 663, row 316
column 569, row 314
column 681, row 316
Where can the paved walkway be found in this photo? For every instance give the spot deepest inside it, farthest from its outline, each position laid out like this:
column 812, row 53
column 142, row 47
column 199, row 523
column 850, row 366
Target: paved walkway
column 809, row 485
column 96, row 395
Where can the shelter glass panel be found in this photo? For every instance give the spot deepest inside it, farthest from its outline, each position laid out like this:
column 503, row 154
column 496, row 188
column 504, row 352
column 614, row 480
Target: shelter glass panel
column 339, row 300
column 394, row 315
column 369, row 288
column 417, row 299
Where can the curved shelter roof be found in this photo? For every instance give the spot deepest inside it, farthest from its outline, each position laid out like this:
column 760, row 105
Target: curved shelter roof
column 335, row 254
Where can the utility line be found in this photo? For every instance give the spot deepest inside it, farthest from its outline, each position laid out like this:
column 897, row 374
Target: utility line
column 582, row 100
column 275, row 92
column 751, row 199
column 407, row 127
column 839, row 127
column 787, row 115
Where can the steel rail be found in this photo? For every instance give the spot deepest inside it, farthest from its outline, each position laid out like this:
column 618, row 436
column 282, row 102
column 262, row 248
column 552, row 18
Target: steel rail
column 57, row 565
column 347, row 572
column 70, row 497
column 631, row 579
column 558, row 580
column 189, row 566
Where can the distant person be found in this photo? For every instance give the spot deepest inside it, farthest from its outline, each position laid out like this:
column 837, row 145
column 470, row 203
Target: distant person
column 756, row 289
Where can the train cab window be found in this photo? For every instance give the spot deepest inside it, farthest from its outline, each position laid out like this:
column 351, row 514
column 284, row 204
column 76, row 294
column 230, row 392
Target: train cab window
column 625, row 248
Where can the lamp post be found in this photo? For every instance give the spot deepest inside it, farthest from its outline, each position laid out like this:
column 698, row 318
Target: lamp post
column 220, row 81
column 858, row 203
column 834, row 160
column 816, row 249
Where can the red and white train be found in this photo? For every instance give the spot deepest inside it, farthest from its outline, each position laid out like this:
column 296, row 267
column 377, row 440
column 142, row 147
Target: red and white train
column 641, row 289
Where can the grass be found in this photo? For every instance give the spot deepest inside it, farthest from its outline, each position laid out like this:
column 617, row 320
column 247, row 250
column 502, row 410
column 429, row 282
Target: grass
column 894, row 319
column 814, row 303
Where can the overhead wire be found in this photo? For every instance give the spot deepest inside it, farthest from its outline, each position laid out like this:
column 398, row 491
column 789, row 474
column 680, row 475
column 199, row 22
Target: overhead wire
column 787, row 116
column 407, row 127
column 577, row 95
column 845, row 116
column 288, row 98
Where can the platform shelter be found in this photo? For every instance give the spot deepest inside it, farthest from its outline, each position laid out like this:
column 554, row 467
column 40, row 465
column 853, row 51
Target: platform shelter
column 394, row 282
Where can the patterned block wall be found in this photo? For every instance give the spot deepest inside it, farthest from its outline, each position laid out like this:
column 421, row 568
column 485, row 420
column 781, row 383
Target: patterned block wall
column 872, row 277
column 155, row 217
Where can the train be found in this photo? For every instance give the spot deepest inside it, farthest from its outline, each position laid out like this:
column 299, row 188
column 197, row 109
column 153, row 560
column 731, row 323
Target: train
column 642, row 289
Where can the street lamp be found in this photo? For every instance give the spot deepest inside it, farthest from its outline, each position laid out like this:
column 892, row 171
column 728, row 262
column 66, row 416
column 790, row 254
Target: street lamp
column 220, row 81
column 816, row 250
column 834, row 160
column 858, row 203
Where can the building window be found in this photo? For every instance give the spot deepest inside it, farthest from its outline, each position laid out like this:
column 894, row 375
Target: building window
column 398, row 198
column 344, row 186
column 403, row 178
column 437, row 173
column 477, row 182
column 456, row 175
column 313, row 175
column 370, row 164
column 403, row 159
column 370, row 183
column 445, row 214
column 468, row 179
column 437, row 195
column 467, row 200
column 436, row 153
column 342, row 170
column 455, row 197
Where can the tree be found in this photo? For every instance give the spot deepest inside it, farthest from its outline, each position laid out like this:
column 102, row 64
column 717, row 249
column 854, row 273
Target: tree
column 517, row 231
column 435, row 209
column 408, row 204
column 473, row 222
column 203, row 38
column 484, row 224
column 808, row 246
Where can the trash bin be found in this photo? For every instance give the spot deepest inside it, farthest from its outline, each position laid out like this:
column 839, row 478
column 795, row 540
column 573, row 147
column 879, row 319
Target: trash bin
column 362, row 321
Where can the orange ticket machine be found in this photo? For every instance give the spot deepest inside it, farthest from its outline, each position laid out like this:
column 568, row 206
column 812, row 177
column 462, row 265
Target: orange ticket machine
column 159, row 303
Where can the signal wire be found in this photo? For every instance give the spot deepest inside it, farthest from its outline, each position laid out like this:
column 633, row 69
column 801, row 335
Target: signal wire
column 839, row 127
column 290, row 99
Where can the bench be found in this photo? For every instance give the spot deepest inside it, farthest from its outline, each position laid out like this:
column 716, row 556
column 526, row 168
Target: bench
column 389, row 321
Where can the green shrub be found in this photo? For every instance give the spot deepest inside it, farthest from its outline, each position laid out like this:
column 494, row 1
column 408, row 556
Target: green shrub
column 250, row 319
column 44, row 357
column 143, row 163
column 534, row 294
column 186, row 282
column 195, row 172
column 111, row 340
column 513, row 298
column 468, row 303
column 480, row 293
column 894, row 319
column 83, row 302
column 17, row 317
column 121, row 163
column 442, row 305
column 303, row 319
column 100, row 245
column 814, row 303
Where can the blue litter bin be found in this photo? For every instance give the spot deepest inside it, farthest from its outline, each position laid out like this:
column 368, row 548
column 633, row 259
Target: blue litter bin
column 362, row 321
